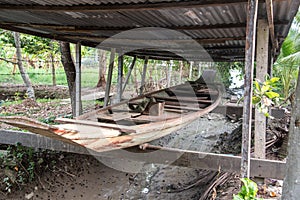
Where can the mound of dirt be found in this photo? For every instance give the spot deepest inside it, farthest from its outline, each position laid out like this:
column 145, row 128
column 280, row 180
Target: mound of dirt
column 13, row 92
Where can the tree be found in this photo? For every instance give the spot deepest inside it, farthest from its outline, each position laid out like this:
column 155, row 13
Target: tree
column 102, row 68
column 25, row 77
column 70, row 71
column 291, row 187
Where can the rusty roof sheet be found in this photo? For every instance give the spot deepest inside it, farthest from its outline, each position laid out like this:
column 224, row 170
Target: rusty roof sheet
column 215, row 25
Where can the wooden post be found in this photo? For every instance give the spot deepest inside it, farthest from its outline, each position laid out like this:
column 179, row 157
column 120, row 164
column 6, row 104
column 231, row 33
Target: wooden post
column 144, row 75
column 261, row 71
column 180, row 70
column 120, row 77
column 109, row 76
column 169, row 76
column 199, row 69
column 129, row 73
column 291, row 186
column 247, row 107
column 78, row 105
column 191, row 70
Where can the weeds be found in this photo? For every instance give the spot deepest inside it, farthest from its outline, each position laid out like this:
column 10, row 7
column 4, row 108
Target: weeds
column 21, row 164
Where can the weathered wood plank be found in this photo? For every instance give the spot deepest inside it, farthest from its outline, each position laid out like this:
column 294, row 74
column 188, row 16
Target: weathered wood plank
column 124, row 129
column 249, row 68
column 184, row 158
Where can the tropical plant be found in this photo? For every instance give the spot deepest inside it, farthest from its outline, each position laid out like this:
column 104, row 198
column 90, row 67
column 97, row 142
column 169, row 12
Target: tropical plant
column 265, row 95
column 287, row 64
column 248, row 190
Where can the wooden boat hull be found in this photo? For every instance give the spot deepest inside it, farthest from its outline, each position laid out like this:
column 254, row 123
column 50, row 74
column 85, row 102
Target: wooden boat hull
column 126, row 129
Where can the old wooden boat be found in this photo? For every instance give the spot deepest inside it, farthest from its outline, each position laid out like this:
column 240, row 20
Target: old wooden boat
column 131, row 122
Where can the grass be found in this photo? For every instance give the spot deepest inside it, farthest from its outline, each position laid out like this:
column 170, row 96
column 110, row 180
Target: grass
column 42, row 76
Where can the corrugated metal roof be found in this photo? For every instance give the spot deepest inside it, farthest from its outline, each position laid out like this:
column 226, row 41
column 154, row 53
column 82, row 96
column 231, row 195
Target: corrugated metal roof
column 213, row 26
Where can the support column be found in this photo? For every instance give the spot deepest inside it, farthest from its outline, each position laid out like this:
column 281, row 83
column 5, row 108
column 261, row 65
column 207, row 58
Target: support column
column 262, row 53
column 120, row 77
column 78, row 104
column 191, row 70
column 129, row 74
column 144, row 75
column 247, row 107
column 109, row 76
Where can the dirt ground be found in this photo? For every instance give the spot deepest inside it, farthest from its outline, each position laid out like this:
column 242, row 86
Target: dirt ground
column 87, row 177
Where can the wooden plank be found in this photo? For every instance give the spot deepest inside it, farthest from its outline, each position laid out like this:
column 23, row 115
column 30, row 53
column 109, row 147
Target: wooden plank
column 121, row 128
column 83, row 132
column 109, row 76
column 184, row 99
column 183, row 108
column 183, row 158
column 249, row 68
column 144, row 75
column 261, row 71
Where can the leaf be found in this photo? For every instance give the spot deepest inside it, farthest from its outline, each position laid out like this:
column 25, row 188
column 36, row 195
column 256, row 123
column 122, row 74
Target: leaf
column 274, row 79
column 272, row 95
column 237, row 197
column 265, row 88
column 256, row 100
column 257, row 86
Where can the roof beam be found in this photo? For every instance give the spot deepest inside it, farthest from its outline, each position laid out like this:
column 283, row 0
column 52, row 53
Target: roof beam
column 123, row 7
column 71, row 28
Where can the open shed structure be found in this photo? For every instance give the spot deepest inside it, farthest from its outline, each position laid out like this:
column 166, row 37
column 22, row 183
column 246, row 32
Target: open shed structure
column 225, row 29
column 219, row 26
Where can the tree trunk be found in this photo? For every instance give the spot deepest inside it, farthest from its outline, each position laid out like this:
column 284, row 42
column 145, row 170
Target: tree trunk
column 291, row 186
column 52, row 65
column 25, row 77
column 70, row 71
column 102, row 68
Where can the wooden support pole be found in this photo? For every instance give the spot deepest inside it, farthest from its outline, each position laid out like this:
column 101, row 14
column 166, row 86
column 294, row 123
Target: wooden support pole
column 291, row 185
column 144, row 75
column 120, row 78
column 78, row 104
column 191, row 70
column 247, row 107
column 262, row 53
column 129, row 74
column 169, row 75
column 199, row 69
column 269, row 8
column 109, row 76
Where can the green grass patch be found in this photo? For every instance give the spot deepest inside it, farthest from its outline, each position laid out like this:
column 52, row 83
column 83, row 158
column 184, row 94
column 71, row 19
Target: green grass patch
column 89, row 76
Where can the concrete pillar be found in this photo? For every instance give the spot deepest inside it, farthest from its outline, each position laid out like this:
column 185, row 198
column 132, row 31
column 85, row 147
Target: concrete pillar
column 78, row 104
column 262, row 58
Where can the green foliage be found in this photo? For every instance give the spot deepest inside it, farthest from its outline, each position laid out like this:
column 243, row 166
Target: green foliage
column 224, row 69
column 20, row 165
column 265, row 95
column 287, row 64
column 248, row 190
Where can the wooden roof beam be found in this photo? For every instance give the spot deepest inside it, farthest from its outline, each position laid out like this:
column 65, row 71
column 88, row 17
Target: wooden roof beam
column 72, row 28
column 123, row 7
column 269, row 8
